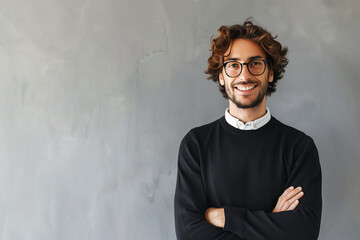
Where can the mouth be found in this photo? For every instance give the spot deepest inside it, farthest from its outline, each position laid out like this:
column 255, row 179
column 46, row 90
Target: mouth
column 245, row 90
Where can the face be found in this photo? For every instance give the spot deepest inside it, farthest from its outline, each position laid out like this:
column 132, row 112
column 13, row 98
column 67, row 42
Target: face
column 246, row 90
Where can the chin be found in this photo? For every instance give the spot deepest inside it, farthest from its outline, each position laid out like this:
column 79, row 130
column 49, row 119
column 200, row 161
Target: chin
column 248, row 104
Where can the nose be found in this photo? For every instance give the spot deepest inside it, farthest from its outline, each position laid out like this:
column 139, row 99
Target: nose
column 245, row 74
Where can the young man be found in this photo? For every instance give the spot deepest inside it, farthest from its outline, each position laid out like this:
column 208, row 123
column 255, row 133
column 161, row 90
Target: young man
column 247, row 175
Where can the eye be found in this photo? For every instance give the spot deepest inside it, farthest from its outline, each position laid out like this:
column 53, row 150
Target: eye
column 256, row 63
column 233, row 65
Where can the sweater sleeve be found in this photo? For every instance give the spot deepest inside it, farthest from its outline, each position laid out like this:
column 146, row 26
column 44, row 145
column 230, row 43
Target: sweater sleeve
column 301, row 223
column 190, row 198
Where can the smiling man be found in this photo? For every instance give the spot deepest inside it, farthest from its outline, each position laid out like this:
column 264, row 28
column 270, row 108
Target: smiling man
column 247, row 175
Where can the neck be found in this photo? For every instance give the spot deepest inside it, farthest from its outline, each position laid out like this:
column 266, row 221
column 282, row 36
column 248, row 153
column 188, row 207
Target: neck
column 248, row 114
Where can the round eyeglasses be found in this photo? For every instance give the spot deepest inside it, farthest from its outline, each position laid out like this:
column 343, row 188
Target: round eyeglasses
column 234, row 68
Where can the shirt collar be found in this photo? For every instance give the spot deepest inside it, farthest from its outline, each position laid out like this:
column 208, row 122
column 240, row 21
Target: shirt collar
column 252, row 125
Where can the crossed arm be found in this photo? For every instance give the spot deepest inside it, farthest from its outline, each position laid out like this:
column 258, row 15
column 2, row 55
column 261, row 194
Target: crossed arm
column 286, row 202
column 290, row 219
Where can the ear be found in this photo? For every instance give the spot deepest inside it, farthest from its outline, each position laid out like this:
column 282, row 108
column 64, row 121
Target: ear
column 271, row 76
column 221, row 79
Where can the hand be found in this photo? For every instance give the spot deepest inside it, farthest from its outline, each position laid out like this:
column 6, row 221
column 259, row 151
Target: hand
column 215, row 216
column 289, row 199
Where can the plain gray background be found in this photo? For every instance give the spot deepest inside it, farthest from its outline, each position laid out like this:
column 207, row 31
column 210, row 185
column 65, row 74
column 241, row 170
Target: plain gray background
column 95, row 97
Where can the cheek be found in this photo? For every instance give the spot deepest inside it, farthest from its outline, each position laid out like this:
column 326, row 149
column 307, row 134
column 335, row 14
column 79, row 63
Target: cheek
column 228, row 87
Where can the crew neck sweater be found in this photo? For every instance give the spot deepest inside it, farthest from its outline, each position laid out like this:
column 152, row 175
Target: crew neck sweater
column 245, row 172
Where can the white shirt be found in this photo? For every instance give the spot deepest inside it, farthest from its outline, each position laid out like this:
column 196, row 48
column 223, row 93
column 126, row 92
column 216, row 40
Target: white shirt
column 252, row 125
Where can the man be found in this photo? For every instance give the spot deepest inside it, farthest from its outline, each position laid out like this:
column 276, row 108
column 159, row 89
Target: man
column 247, row 175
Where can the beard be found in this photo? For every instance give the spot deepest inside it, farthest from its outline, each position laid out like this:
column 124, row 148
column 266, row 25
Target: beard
column 255, row 102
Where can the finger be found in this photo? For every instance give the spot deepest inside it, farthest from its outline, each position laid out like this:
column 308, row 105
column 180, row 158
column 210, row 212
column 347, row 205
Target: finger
column 289, row 202
column 297, row 196
column 284, row 198
column 289, row 189
column 293, row 205
column 292, row 193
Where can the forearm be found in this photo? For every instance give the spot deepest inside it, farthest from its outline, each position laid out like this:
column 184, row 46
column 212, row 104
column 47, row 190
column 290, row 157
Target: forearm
column 286, row 202
column 193, row 225
column 301, row 223
column 284, row 222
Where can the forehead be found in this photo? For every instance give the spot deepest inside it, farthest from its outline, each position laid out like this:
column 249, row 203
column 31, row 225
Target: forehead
column 244, row 49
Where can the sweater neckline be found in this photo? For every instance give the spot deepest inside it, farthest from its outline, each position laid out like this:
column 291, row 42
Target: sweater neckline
column 268, row 126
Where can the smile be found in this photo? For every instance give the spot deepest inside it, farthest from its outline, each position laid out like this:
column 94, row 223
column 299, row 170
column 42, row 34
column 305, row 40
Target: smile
column 245, row 88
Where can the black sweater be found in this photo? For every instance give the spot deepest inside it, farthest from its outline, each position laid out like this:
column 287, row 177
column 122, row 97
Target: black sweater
column 245, row 172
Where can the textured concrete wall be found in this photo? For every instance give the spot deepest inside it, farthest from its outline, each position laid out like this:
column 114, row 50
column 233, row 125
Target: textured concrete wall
column 95, row 97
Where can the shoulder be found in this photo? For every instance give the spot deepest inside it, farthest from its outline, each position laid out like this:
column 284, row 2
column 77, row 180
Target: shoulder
column 202, row 132
column 291, row 132
column 297, row 140
column 203, row 129
column 191, row 144
column 299, row 148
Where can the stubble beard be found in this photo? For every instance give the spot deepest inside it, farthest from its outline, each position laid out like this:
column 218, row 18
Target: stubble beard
column 252, row 104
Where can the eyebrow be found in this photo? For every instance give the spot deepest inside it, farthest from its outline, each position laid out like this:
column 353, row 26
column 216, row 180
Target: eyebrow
column 249, row 59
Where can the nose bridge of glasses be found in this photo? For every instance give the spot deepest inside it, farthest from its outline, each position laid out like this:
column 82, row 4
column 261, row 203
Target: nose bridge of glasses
column 245, row 68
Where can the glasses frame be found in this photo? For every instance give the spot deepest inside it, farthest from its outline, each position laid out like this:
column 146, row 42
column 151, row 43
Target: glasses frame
column 247, row 65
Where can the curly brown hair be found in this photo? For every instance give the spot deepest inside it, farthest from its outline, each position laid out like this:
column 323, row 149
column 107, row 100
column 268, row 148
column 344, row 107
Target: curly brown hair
column 273, row 50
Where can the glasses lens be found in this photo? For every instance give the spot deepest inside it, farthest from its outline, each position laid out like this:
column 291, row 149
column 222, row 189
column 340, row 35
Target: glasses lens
column 233, row 69
column 256, row 67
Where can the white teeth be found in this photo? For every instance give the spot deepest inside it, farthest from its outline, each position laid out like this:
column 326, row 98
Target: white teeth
column 242, row 88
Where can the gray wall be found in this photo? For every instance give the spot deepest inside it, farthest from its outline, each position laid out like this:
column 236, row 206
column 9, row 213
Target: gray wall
column 95, row 97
